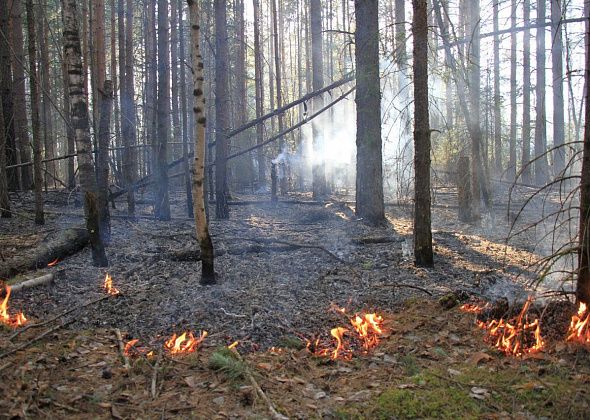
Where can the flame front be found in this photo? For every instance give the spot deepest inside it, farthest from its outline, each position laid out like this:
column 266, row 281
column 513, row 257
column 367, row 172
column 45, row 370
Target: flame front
column 53, row 263
column 15, row 320
column 184, row 343
column 517, row 337
column 580, row 325
column 108, row 286
column 473, row 308
column 368, row 328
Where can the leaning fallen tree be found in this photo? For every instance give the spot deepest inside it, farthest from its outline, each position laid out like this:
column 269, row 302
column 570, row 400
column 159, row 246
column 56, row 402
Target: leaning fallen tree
column 66, row 243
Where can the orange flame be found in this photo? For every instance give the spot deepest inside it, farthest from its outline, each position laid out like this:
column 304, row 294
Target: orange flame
column 108, row 286
column 580, row 325
column 367, row 330
column 514, row 337
column 131, row 344
column 233, row 345
column 473, row 308
column 14, row 321
column 53, row 263
column 185, row 343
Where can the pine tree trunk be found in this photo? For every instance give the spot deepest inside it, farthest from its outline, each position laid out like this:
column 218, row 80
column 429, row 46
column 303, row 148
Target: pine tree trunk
column 104, row 134
column 526, row 95
column 151, row 87
column 47, row 118
column 369, row 173
column 162, row 207
column 70, row 136
column 511, row 172
column 79, row 105
column 35, row 122
column 583, row 283
column 183, row 109
column 541, row 175
column 558, row 105
column 422, row 219
column 6, row 95
column 205, row 243
column 129, row 140
column 317, row 62
column 4, row 198
column 20, row 108
column 497, row 97
column 474, row 72
column 259, row 89
column 279, row 88
column 221, row 109
column 176, row 129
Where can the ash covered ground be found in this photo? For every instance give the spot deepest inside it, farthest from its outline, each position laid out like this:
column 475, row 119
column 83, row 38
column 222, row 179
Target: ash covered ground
column 280, row 268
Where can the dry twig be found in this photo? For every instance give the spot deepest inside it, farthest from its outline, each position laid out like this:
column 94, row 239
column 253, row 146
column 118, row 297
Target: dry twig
column 121, row 348
column 34, row 340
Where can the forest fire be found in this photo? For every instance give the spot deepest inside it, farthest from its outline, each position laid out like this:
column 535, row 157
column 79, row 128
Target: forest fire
column 184, row 343
column 130, row 346
column 579, row 329
column 515, row 337
column 366, row 332
column 53, row 263
column 108, row 286
column 14, row 321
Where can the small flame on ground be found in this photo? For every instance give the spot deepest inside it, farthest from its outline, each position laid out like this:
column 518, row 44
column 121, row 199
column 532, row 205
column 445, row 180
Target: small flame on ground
column 184, row 343
column 473, row 308
column 108, row 286
column 367, row 329
column 516, row 337
column 580, row 325
column 233, row 345
column 14, row 321
column 130, row 345
column 53, row 263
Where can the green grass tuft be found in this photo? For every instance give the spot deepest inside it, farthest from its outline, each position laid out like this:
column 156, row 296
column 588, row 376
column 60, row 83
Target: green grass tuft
column 225, row 361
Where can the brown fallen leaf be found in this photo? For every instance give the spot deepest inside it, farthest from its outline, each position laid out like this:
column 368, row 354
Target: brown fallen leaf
column 478, row 357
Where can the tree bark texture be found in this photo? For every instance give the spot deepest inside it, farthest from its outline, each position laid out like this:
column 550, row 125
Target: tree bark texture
column 369, row 172
column 317, row 63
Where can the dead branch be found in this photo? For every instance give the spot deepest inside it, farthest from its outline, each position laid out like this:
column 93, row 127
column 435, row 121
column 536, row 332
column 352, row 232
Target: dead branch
column 27, row 284
column 409, row 286
column 275, row 414
column 126, row 364
column 156, row 367
column 38, row 338
column 49, row 321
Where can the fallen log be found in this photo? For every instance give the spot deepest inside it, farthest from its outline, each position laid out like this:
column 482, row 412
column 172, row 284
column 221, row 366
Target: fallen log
column 67, row 242
column 27, row 284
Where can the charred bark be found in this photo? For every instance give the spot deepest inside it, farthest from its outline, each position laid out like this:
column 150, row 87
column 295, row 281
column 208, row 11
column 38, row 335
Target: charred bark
column 104, row 132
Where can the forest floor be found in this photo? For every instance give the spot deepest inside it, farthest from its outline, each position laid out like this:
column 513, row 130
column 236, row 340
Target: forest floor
column 282, row 271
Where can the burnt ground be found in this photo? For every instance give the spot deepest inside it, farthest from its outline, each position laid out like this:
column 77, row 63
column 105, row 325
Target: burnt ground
column 281, row 268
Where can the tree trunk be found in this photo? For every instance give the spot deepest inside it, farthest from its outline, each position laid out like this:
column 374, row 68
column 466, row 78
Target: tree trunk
column 151, row 86
column 511, row 171
column 35, row 122
column 526, row 95
column 99, row 57
column 129, row 137
column 205, row 243
column 4, row 198
column 6, row 95
column 541, row 175
column 70, row 136
column 422, row 218
column 117, row 114
column 259, row 89
column 474, row 72
column 104, row 134
column 73, row 57
column 221, row 109
column 20, row 108
column 176, row 129
column 183, row 108
column 583, row 283
column 47, row 118
column 558, row 105
column 162, row 207
column 369, row 174
column 279, row 87
column 317, row 63
column 497, row 97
